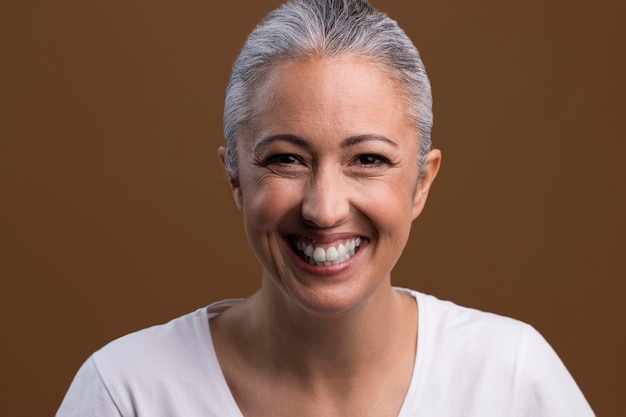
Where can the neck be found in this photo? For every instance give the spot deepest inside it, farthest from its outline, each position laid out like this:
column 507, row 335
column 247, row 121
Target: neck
column 334, row 347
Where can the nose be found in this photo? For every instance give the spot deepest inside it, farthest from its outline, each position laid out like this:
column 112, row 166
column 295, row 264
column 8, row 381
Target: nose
column 326, row 201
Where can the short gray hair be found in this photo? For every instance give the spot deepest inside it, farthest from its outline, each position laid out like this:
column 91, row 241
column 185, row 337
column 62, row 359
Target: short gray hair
column 326, row 28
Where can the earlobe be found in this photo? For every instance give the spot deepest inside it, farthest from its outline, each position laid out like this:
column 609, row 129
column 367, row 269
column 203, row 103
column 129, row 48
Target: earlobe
column 233, row 182
column 433, row 161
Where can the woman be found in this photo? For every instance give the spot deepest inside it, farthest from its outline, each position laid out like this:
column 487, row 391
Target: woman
column 327, row 121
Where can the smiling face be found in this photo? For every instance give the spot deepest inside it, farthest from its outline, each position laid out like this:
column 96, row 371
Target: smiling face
column 328, row 181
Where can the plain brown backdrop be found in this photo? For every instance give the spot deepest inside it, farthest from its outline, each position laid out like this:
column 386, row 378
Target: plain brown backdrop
column 114, row 214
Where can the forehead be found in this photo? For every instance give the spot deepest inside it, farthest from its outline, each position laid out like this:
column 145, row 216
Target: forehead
column 345, row 94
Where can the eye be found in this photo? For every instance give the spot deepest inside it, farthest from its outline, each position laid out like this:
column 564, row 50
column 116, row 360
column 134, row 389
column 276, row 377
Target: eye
column 285, row 164
column 283, row 159
column 370, row 159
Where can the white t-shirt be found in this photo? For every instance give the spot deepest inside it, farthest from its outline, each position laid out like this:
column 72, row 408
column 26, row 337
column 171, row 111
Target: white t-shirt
column 469, row 364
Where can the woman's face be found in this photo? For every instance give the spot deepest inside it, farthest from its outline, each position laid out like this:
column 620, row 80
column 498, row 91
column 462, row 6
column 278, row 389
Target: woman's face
column 328, row 181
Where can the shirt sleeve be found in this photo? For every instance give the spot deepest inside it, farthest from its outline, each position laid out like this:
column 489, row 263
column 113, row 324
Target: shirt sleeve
column 88, row 396
column 547, row 389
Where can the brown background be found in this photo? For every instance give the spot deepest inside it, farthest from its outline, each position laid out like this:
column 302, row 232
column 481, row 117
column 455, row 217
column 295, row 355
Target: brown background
column 115, row 215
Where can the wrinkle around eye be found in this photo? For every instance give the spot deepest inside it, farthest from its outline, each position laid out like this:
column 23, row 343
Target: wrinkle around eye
column 370, row 165
column 286, row 165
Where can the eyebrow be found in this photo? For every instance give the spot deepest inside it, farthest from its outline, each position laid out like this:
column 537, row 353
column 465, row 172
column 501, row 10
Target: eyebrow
column 355, row 140
column 301, row 142
column 265, row 142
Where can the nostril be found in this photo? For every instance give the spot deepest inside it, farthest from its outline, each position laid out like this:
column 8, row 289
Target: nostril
column 326, row 203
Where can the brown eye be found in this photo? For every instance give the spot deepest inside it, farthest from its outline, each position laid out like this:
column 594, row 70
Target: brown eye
column 372, row 159
column 284, row 158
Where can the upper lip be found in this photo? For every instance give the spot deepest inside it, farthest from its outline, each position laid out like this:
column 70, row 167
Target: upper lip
column 323, row 238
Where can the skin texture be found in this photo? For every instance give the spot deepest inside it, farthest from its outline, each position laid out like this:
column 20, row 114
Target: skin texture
column 332, row 156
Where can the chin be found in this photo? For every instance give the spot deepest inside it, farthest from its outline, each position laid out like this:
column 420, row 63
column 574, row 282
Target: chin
column 329, row 300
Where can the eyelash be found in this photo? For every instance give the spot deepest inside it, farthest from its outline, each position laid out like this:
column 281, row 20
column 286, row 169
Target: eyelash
column 282, row 159
column 374, row 160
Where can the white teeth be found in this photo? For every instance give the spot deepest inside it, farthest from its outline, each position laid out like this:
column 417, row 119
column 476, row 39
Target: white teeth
column 319, row 255
column 330, row 256
column 341, row 251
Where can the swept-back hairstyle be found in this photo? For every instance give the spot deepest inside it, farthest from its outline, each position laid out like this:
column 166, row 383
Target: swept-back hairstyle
column 325, row 28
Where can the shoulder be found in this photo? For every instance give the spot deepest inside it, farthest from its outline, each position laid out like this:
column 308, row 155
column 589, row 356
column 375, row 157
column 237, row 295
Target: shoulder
column 488, row 339
column 183, row 341
column 446, row 321
column 168, row 369
column 159, row 360
column 125, row 375
column 147, row 346
column 502, row 363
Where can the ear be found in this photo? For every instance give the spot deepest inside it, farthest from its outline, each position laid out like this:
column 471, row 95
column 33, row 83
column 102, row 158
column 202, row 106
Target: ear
column 233, row 182
column 433, row 161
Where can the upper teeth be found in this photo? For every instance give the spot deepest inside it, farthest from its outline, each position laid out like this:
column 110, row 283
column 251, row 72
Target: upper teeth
column 330, row 255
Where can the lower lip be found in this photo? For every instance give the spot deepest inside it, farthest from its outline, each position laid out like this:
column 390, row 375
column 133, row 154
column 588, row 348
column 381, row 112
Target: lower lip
column 323, row 270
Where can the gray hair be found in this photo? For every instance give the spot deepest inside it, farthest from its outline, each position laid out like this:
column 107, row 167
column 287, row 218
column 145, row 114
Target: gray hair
column 326, row 28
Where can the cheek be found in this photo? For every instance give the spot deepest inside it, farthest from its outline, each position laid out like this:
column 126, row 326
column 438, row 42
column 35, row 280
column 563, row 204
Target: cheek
column 266, row 202
column 389, row 203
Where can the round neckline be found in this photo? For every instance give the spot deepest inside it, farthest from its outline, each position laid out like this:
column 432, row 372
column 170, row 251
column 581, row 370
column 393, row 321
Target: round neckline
column 228, row 400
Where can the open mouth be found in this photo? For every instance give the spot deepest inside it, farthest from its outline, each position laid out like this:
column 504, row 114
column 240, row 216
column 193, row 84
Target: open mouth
column 331, row 255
